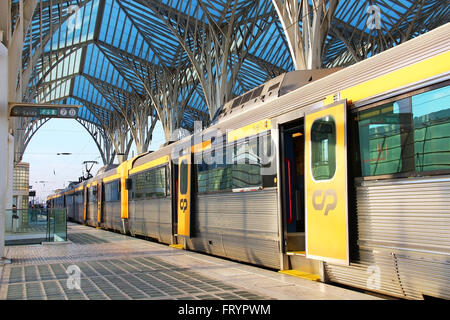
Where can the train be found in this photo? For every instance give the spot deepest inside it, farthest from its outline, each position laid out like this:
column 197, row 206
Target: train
column 341, row 174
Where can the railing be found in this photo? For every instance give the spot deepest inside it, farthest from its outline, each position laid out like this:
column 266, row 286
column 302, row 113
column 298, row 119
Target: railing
column 31, row 226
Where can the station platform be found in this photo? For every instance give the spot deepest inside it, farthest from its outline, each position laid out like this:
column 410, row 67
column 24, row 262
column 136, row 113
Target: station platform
column 119, row 267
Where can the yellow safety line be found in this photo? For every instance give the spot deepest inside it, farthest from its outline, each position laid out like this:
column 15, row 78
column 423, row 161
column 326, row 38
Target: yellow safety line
column 300, row 274
column 177, row 246
column 299, row 253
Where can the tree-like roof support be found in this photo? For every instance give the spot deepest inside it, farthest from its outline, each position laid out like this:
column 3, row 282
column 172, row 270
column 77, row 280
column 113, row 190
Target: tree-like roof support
column 133, row 62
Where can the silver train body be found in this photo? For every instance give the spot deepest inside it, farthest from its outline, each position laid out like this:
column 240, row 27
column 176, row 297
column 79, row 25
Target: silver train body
column 399, row 226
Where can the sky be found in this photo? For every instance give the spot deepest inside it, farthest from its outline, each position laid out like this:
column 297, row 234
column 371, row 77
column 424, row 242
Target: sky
column 49, row 171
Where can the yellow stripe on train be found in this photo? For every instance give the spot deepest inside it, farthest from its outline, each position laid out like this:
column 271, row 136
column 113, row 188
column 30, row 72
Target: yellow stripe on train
column 408, row 75
column 150, row 164
column 249, row 130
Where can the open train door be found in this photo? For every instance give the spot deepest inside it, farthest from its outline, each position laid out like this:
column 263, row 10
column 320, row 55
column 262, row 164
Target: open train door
column 326, row 184
column 184, row 195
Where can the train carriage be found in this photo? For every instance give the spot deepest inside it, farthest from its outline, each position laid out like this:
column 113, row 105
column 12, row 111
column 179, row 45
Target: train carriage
column 339, row 173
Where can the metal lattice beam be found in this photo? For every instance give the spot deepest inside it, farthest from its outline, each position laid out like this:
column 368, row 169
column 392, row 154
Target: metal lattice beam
column 133, row 62
column 101, row 139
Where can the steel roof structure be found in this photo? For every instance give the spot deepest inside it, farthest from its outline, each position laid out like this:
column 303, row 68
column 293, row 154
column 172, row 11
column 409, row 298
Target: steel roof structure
column 131, row 63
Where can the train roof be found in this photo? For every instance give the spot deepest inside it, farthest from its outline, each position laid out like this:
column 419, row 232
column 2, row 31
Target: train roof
column 271, row 90
column 297, row 89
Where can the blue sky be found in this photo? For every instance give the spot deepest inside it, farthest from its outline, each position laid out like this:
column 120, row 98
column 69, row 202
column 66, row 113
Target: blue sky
column 49, row 171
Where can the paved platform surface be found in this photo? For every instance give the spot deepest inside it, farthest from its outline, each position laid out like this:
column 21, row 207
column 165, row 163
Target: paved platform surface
column 114, row 266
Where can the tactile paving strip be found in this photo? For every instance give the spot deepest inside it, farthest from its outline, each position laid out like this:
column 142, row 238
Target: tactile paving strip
column 126, row 278
column 86, row 238
column 30, row 229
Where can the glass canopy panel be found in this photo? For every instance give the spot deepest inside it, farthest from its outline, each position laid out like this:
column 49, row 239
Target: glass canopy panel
column 84, row 90
column 77, row 28
column 60, row 90
column 134, row 41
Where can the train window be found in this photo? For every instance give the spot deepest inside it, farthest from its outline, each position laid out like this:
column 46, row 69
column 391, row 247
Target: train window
column 201, row 172
column 150, row 183
column 112, row 191
column 93, row 194
column 386, row 138
column 407, row 135
column 323, row 148
column 266, row 154
column 219, row 172
column 183, row 176
column 246, row 170
column 79, row 198
column 237, row 165
column 431, row 114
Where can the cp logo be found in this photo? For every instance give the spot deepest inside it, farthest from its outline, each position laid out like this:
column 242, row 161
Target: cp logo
column 319, row 205
column 183, row 205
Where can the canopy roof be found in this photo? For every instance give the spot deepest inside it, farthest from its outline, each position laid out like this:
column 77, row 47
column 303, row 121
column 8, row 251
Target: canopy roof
column 178, row 61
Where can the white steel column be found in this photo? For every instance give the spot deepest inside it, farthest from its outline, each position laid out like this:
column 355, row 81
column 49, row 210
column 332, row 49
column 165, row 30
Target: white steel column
column 4, row 157
column 10, row 177
column 305, row 43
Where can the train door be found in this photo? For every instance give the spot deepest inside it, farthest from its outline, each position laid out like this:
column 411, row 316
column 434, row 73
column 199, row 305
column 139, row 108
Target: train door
column 85, row 202
column 93, row 207
column 292, row 171
column 174, row 192
column 72, row 206
column 326, row 218
column 184, row 195
column 100, row 199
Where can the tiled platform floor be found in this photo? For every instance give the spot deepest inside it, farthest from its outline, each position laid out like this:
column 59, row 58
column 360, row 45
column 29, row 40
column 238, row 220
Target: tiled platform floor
column 115, row 266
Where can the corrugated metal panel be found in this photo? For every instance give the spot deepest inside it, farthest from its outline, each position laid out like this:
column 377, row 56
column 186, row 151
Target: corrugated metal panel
column 91, row 214
column 242, row 226
column 135, row 217
column 424, row 273
column 363, row 273
column 405, row 225
column 111, row 216
column 70, row 207
column 406, row 213
column 78, row 216
column 152, row 218
column 402, row 273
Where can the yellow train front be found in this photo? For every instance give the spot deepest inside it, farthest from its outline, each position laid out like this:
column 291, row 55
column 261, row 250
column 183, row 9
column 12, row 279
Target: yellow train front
column 341, row 174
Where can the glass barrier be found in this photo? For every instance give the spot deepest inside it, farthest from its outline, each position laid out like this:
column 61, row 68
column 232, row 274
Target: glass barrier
column 50, row 225
column 32, row 226
column 57, row 224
